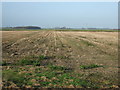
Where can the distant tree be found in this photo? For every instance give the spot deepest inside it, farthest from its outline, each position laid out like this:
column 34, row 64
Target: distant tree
column 28, row 27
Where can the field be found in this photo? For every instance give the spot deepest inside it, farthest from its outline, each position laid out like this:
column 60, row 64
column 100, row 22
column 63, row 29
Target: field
column 64, row 59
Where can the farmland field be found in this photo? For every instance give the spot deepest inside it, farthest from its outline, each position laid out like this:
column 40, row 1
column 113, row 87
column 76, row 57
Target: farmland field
column 65, row 59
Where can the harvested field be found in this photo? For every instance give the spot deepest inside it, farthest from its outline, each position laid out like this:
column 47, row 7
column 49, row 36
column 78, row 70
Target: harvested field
column 79, row 59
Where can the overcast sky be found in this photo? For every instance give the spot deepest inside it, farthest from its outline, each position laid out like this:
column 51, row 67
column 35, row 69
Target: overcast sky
column 58, row 14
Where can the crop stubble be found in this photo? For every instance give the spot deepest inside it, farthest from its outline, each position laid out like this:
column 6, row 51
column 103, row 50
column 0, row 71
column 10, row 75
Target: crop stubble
column 70, row 49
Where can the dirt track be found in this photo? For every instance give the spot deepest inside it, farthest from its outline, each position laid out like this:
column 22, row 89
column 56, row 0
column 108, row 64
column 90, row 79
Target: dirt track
column 71, row 49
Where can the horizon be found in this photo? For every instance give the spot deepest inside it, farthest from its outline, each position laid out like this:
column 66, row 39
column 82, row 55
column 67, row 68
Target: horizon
column 60, row 14
column 59, row 27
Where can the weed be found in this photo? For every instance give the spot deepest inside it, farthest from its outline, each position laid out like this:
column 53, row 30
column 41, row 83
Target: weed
column 45, row 78
column 25, row 62
column 32, row 56
column 10, row 75
column 44, row 57
column 79, row 82
column 74, row 81
column 41, row 57
column 82, row 36
column 90, row 66
column 45, row 83
column 54, row 67
column 3, row 63
column 47, row 74
column 36, row 63
column 30, row 83
column 87, row 43
column 65, row 76
column 28, row 62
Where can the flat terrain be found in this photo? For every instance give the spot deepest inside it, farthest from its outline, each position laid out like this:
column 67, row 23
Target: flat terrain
column 71, row 59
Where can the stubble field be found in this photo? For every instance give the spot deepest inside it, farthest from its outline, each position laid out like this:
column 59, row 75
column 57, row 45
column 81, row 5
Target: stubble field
column 64, row 59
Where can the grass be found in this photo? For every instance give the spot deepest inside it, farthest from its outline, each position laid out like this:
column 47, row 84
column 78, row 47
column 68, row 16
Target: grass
column 36, row 60
column 48, row 76
column 32, row 60
column 62, row 79
column 90, row 66
column 53, row 67
column 29, row 62
column 12, row 76
column 59, row 68
column 44, row 57
column 45, row 83
column 23, row 62
column 63, row 57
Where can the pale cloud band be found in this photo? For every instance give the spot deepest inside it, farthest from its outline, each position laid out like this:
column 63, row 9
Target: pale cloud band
column 60, row 0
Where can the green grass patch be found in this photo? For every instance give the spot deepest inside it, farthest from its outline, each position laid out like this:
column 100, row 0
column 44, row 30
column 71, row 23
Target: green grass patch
column 65, row 76
column 29, row 62
column 33, row 60
column 62, row 79
column 47, row 74
column 90, row 66
column 48, row 77
column 63, row 57
column 72, row 80
column 44, row 83
column 10, row 75
column 55, row 67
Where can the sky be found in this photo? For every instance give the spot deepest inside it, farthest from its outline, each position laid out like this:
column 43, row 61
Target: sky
column 59, row 14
